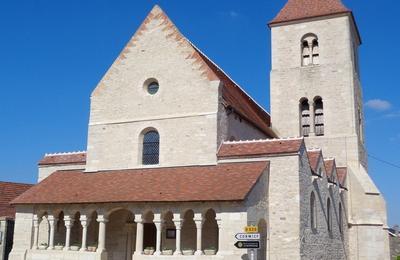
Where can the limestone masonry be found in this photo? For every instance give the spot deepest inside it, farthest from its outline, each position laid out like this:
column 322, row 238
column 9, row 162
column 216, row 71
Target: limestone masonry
column 179, row 158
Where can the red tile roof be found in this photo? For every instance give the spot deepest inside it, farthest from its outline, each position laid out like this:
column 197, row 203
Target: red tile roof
column 223, row 182
column 329, row 166
column 8, row 192
column 313, row 157
column 240, row 101
column 259, row 148
column 302, row 9
column 342, row 174
column 64, row 158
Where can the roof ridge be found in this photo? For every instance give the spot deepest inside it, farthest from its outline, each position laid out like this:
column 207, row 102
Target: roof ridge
column 17, row 183
column 263, row 140
column 295, row 10
column 233, row 81
column 63, row 153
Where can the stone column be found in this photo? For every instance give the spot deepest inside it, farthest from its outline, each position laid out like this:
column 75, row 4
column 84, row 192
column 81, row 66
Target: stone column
column 68, row 225
column 198, row 219
column 310, row 50
column 139, row 234
column 102, row 233
column 52, row 221
column 220, row 244
column 178, row 226
column 85, row 223
column 129, row 228
column 36, row 232
column 158, row 223
column 312, row 119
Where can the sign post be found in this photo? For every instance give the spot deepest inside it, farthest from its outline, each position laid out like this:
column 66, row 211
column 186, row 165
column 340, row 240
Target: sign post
column 249, row 240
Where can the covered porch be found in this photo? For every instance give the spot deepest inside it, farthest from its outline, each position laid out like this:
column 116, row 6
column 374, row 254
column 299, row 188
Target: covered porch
column 134, row 232
column 174, row 213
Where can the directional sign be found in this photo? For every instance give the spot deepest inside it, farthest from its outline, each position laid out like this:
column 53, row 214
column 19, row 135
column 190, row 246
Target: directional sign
column 247, row 244
column 251, row 229
column 248, row 236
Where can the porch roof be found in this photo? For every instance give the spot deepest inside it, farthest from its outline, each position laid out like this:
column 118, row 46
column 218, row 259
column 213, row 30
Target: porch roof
column 222, row 182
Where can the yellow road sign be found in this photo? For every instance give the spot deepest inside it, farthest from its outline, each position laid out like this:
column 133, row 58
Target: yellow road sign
column 251, row 229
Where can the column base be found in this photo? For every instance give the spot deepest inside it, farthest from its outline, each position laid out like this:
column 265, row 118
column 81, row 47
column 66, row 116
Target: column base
column 199, row 252
column 66, row 249
column 83, row 249
column 178, row 253
column 50, row 248
column 100, row 250
column 157, row 253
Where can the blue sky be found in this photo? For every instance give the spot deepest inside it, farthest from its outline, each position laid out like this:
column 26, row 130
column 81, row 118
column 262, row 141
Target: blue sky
column 53, row 53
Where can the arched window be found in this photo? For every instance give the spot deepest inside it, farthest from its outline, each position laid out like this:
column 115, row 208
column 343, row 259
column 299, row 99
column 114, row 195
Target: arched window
column 329, row 215
column 315, row 52
column 151, row 148
column 313, row 212
column 319, row 116
column 309, row 50
column 305, row 117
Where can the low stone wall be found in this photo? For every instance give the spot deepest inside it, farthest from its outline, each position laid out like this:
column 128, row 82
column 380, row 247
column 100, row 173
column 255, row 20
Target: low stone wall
column 72, row 255
column 64, row 255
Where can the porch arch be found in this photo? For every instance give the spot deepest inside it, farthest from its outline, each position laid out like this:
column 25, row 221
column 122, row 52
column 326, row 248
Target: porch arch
column 188, row 231
column 210, row 234
column 120, row 237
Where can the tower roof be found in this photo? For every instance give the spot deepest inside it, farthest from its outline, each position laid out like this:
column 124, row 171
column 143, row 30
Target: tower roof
column 303, row 9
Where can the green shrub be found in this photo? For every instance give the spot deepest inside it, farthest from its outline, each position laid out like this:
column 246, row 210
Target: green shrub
column 398, row 258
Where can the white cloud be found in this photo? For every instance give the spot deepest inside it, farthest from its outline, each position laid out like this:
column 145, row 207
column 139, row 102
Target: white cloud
column 393, row 114
column 378, row 104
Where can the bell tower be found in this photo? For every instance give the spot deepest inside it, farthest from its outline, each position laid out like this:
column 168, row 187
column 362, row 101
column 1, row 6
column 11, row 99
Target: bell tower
column 316, row 93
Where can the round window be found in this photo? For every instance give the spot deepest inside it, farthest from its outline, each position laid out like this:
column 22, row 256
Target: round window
column 152, row 88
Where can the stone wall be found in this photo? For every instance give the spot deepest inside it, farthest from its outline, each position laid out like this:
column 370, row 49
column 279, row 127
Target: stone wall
column 184, row 110
column 394, row 246
column 45, row 171
column 319, row 242
column 240, row 129
column 23, row 232
column 336, row 80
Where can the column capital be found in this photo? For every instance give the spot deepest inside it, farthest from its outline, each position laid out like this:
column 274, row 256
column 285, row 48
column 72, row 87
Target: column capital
column 157, row 218
column 102, row 219
column 51, row 218
column 139, row 218
column 177, row 223
column 219, row 223
column 68, row 221
column 84, row 220
column 198, row 216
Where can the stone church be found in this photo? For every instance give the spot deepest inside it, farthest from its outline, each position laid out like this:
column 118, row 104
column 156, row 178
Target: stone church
column 166, row 176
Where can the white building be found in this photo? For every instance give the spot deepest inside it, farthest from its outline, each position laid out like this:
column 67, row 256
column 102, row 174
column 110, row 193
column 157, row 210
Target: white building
column 180, row 159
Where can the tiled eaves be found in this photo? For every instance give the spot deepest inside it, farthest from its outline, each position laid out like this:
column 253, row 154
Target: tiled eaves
column 63, row 158
column 302, row 9
column 222, row 182
column 258, row 148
